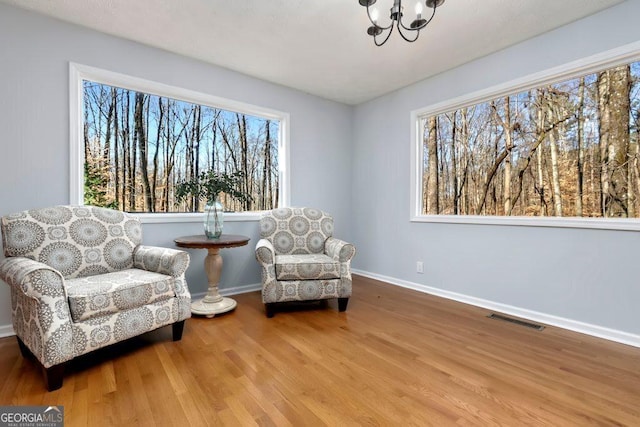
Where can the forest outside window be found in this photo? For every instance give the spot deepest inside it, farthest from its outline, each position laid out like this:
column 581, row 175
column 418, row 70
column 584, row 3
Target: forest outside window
column 566, row 149
column 138, row 143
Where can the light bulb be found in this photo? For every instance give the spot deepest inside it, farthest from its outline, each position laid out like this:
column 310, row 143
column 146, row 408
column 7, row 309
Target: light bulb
column 419, row 8
column 374, row 16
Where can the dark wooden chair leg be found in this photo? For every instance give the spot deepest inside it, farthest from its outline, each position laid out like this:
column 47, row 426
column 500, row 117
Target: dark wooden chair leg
column 270, row 308
column 178, row 327
column 53, row 376
column 24, row 350
column 342, row 304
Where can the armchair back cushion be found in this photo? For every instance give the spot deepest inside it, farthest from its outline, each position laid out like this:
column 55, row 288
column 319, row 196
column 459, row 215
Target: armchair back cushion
column 77, row 241
column 296, row 230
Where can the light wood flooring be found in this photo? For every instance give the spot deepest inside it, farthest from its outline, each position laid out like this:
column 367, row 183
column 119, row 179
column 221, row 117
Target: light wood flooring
column 396, row 357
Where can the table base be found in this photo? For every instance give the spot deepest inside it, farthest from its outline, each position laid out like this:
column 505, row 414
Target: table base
column 210, row 309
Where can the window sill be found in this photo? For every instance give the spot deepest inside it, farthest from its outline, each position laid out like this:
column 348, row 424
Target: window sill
column 165, row 218
column 619, row 224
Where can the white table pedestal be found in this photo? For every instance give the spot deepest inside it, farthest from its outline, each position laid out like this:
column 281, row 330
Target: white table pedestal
column 213, row 303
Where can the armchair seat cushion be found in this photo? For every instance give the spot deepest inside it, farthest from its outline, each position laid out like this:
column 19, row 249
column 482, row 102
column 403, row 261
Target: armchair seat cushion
column 95, row 296
column 306, row 267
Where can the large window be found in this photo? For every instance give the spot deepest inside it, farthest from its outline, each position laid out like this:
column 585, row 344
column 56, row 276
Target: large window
column 559, row 149
column 140, row 139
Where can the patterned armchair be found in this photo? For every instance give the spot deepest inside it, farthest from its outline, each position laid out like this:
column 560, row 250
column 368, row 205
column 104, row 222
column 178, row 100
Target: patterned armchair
column 300, row 259
column 81, row 280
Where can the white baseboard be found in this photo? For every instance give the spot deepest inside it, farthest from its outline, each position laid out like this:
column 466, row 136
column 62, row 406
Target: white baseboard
column 572, row 325
column 6, row 331
column 225, row 292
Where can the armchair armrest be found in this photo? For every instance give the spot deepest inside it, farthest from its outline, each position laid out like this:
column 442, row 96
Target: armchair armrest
column 172, row 262
column 339, row 250
column 33, row 278
column 38, row 291
column 265, row 253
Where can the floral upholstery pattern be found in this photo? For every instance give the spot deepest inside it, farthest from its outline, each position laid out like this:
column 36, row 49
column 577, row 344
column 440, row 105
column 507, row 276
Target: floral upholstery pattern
column 306, row 267
column 303, row 290
column 296, row 230
column 80, row 280
column 300, row 259
column 94, row 296
column 77, row 241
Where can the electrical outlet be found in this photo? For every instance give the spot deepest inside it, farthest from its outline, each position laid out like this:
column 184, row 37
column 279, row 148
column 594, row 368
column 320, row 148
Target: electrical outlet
column 420, row 267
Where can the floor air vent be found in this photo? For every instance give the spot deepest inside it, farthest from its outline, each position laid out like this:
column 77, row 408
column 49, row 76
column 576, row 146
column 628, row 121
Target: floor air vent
column 516, row 321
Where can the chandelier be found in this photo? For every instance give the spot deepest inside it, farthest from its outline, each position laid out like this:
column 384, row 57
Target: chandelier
column 396, row 19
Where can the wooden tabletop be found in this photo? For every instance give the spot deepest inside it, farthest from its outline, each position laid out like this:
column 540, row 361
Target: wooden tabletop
column 200, row 241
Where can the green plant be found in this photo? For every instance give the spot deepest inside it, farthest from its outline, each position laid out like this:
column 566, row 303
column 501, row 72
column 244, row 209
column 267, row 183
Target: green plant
column 95, row 184
column 210, row 184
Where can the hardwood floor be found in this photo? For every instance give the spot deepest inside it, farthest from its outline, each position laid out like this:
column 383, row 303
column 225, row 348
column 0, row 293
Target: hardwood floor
column 395, row 357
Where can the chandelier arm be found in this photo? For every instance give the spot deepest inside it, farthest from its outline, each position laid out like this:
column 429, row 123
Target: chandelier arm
column 429, row 20
column 375, row 24
column 375, row 38
column 417, row 31
column 401, row 25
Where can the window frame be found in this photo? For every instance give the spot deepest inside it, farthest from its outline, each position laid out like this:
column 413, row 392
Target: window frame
column 79, row 72
column 611, row 58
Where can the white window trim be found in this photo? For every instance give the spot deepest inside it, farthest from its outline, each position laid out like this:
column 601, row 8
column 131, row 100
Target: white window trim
column 624, row 54
column 79, row 72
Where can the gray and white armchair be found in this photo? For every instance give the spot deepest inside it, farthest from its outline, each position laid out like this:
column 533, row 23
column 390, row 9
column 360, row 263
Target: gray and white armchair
column 81, row 280
column 300, row 259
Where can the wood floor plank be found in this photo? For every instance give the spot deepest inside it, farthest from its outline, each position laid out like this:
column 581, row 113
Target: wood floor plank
column 395, row 357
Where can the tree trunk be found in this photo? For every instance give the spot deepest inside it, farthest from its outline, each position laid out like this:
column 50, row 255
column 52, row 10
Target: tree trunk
column 127, row 180
column 156, row 157
column 266, row 169
column 167, row 160
column 141, row 136
column 242, row 128
column 197, row 122
column 433, row 206
column 106, row 152
column 491, row 173
column 539, row 165
column 636, row 169
column 454, row 165
column 555, row 173
column 507, row 128
column 465, row 190
column 116, row 148
column 613, row 109
column 580, row 177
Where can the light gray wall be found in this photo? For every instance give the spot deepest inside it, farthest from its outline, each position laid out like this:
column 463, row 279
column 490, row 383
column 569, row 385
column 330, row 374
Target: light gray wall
column 35, row 52
column 583, row 275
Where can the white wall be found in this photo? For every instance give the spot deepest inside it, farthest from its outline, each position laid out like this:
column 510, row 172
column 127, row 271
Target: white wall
column 35, row 52
column 587, row 278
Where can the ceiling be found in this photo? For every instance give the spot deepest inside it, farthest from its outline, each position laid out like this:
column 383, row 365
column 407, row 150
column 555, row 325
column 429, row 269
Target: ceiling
column 320, row 47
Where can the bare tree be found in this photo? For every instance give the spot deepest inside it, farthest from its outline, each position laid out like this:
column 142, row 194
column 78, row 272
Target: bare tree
column 141, row 137
column 579, row 142
column 553, row 148
column 613, row 110
column 433, row 186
